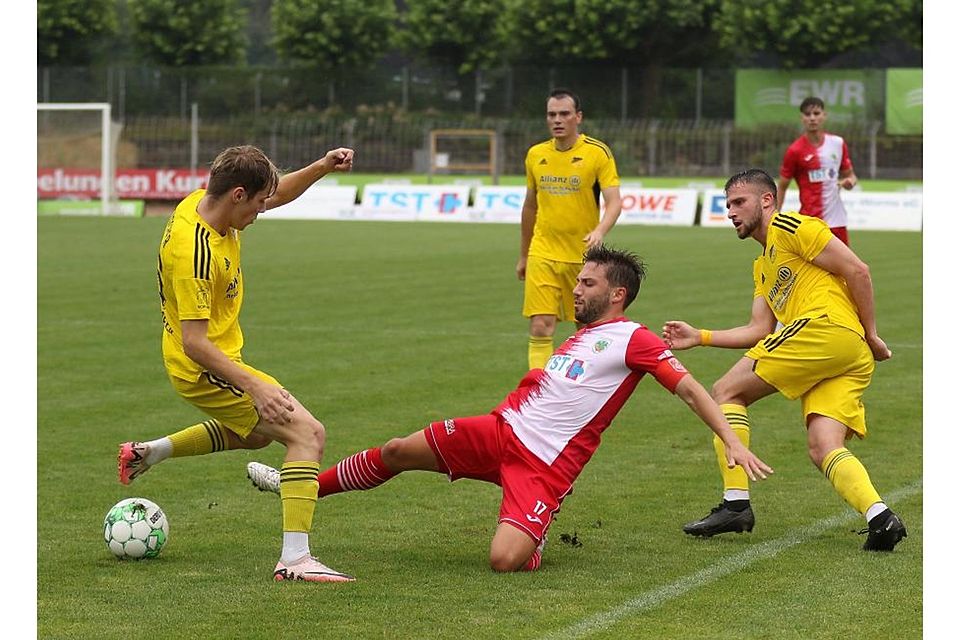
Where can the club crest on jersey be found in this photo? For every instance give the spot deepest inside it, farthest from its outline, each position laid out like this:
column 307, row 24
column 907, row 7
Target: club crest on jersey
column 600, row 345
column 203, row 298
column 570, row 367
column 449, row 427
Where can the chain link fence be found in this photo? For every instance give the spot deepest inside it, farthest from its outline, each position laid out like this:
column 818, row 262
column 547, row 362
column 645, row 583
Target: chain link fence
column 388, row 143
column 659, row 122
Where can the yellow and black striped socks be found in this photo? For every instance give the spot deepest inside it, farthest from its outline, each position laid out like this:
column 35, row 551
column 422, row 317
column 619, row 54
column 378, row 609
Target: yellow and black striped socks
column 850, row 479
column 736, row 484
column 298, row 494
column 207, row 437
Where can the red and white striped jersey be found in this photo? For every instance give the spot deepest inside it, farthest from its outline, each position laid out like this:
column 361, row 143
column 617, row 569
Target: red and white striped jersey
column 559, row 412
column 817, row 172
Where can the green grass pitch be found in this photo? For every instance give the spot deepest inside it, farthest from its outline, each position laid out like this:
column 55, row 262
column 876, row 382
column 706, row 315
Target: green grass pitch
column 379, row 328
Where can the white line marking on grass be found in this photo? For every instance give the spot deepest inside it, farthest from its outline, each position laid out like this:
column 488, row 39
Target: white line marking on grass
column 725, row 567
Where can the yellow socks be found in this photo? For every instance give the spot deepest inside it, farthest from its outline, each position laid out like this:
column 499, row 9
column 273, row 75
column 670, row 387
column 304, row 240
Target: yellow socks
column 734, row 480
column 207, row 437
column 850, row 479
column 539, row 351
column 298, row 494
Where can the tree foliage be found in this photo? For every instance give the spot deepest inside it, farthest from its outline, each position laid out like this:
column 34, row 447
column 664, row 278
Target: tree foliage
column 335, row 33
column 628, row 32
column 69, row 31
column 466, row 34
column 181, row 34
column 808, row 33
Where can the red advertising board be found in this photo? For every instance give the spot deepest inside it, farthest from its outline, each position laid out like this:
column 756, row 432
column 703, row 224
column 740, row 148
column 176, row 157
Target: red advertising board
column 131, row 184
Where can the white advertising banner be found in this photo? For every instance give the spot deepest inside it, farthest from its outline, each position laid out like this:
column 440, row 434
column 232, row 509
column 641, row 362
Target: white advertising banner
column 415, row 202
column 868, row 210
column 498, row 204
column 319, row 202
column 676, row 207
column 713, row 213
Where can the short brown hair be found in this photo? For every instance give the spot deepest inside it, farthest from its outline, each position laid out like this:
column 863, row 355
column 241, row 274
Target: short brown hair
column 243, row 166
column 812, row 101
column 623, row 269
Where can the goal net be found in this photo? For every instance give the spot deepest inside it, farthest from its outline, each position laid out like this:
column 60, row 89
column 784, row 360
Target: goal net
column 76, row 159
column 464, row 151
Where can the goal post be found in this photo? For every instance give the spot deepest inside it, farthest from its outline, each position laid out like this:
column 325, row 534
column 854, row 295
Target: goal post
column 76, row 155
column 463, row 151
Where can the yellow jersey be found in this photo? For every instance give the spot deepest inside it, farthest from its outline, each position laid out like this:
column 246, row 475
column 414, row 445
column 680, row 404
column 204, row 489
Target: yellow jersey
column 198, row 272
column 792, row 286
column 568, row 185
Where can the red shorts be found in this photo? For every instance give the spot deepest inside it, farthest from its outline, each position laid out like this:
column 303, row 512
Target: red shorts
column 485, row 448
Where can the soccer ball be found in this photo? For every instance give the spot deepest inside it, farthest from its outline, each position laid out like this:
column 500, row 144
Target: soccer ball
column 135, row 528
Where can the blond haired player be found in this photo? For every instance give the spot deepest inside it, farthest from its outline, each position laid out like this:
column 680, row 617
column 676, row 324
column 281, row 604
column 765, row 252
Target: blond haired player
column 822, row 293
column 561, row 219
column 201, row 292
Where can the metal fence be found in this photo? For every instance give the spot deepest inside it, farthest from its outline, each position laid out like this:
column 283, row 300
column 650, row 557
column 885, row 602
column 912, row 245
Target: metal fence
column 395, row 142
column 511, row 91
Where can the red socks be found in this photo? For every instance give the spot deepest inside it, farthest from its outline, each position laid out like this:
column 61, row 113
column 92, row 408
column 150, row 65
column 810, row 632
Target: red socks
column 361, row 471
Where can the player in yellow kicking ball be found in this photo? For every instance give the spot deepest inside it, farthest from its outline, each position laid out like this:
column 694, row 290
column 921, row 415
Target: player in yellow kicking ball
column 560, row 218
column 824, row 354
column 201, row 292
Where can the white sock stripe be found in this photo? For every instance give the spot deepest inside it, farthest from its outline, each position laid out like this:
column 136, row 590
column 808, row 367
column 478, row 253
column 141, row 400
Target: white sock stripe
column 348, row 479
column 357, row 473
column 725, row 567
column 370, row 471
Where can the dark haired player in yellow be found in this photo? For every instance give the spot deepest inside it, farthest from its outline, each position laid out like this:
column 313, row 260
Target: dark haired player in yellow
column 201, row 292
column 822, row 293
column 560, row 218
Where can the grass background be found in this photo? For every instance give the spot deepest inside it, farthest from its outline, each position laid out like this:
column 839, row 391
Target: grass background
column 379, row 328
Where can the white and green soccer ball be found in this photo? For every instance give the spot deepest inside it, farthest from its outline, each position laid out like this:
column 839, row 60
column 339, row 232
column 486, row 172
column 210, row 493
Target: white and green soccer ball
column 135, row 528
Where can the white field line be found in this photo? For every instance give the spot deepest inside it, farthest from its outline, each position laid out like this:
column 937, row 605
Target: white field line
column 725, row 567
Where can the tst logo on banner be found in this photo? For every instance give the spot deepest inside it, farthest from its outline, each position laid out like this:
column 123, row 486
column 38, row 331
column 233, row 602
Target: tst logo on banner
column 415, row 202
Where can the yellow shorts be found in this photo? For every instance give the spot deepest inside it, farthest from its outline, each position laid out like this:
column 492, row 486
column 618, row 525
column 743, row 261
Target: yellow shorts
column 825, row 364
column 221, row 400
column 548, row 288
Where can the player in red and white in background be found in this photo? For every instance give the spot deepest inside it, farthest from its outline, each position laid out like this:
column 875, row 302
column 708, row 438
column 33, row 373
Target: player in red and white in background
column 820, row 163
column 536, row 442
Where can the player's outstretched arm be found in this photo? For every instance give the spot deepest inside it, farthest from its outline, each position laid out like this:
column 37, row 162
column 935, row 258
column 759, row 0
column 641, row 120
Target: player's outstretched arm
column 292, row 185
column 680, row 335
column 697, row 398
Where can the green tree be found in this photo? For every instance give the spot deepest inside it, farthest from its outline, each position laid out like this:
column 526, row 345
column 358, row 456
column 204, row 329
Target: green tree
column 182, row 34
column 808, row 33
column 465, row 34
column 547, row 32
column 69, row 32
column 332, row 34
column 629, row 32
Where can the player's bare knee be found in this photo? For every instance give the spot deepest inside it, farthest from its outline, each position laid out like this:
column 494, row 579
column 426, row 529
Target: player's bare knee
column 720, row 392
column 317, row 433
column 394, row 454
column 507, row 561
column 817, row 453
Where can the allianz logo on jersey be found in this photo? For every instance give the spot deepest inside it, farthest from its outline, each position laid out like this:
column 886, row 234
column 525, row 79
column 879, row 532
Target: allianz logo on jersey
column 567, row 366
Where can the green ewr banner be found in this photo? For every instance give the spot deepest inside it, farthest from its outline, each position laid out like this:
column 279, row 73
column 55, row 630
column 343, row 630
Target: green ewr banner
column 905, row 101
column 773, row 97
